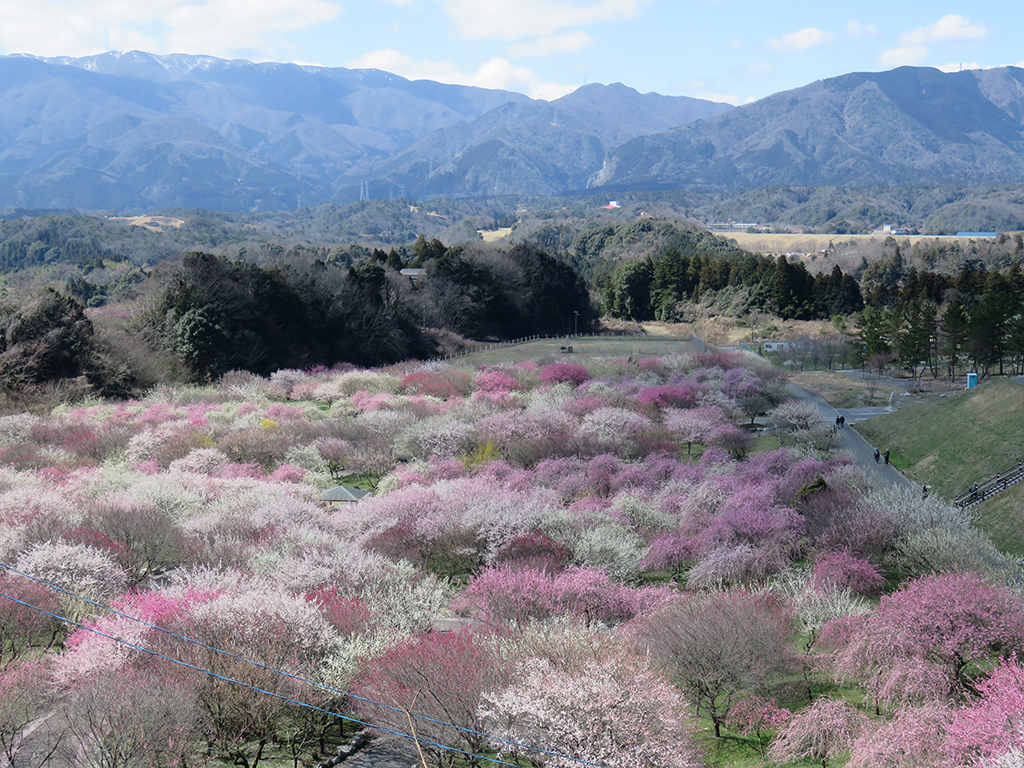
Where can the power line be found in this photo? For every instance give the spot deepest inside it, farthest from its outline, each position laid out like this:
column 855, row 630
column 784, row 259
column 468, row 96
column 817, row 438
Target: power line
column 233, row 681
column 274, row 670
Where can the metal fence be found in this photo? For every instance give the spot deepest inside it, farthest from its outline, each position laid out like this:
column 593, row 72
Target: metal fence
column 991, row 486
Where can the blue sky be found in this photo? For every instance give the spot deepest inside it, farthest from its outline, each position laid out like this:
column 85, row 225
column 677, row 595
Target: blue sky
column 726, row 50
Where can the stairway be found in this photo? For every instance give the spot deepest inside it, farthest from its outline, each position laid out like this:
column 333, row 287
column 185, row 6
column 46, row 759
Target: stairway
column 990, row 487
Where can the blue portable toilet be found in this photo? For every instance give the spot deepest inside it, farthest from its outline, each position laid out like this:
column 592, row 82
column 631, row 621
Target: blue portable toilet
column 972, row 380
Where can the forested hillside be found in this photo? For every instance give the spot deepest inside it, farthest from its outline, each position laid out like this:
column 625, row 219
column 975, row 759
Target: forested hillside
column 280, row 291
column 204, row 315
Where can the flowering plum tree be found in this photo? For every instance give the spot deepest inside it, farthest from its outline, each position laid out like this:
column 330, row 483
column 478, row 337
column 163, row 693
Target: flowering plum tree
column 592, row 713
column 668, row 396
column 730, row 438
column 496, row 381
column 270, row 628
column 993, row 724
column 823, row 731
column 844, row 571
column 756, row 715
column 21, row 626
column 717, row 644
column 24, row 689
column 557, row 373
column 916, row 736
column 694, row 425
column 927, row 639
column 438, row 676
column 533, row 550
column 502, row 596
column 77, row 568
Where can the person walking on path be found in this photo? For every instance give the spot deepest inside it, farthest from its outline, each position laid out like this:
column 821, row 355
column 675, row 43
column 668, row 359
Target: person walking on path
column 886, row 456
column 860, row 450
column 876, row 455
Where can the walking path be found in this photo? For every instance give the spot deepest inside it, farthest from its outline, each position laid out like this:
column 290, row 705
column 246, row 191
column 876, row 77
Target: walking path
column 851, row 442
column 386, row 752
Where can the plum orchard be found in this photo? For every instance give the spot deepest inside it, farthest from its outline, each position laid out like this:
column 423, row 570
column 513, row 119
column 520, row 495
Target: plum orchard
column 632, row 572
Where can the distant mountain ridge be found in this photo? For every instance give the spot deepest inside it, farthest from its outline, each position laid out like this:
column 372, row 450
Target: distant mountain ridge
column 910, row 125
column 136, row 132
column 139, row 131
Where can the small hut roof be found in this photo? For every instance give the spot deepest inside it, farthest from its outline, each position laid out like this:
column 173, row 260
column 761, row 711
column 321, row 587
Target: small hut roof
column 343, row 493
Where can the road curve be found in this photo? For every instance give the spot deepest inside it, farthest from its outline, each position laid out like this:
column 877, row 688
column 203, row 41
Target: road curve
column 852, row 443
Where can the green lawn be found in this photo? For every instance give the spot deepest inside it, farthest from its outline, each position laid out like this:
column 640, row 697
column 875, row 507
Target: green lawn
column 969, row 436
column 548, row 350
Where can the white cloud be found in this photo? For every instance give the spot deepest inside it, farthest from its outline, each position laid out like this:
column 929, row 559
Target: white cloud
column 570, row 43
column 495, row 73
column 856, row 29
column 220, row 27
column 216, row 27
column 950, row 27
column 514, row 19
column 808, row 37
column 903, row 57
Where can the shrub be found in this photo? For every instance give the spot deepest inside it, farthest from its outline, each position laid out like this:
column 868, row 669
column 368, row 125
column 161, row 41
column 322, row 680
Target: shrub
column 500, row 596
column 562, row 373
column 841, row 570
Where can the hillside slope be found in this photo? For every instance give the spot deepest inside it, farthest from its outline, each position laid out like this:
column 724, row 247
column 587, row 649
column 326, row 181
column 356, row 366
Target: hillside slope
column 959, row 440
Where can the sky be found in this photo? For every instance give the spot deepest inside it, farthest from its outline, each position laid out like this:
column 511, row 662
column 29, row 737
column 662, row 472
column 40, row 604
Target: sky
column 733, row 51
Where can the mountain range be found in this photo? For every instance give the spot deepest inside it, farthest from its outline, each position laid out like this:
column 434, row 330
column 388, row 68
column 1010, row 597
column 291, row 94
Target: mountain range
column 911, row 125
column 134, row 131
column 138, row 132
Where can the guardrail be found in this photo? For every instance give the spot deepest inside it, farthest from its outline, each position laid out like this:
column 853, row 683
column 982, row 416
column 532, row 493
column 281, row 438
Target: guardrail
column 989, row 487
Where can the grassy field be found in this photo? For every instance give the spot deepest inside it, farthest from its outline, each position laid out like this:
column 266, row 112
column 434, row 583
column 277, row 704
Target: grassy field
column 798, row 243
column 546, row 351
column 958, row 440
column 491, row 235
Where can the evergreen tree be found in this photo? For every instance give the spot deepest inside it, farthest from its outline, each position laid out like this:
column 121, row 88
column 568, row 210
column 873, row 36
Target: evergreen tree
column 670, row 284
column 915, row 342
column 633, row 282
column 874, row 334
column 953, row 344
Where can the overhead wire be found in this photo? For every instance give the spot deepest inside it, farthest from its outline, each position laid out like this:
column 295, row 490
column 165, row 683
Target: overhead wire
column 281, row 672
column 254, row 688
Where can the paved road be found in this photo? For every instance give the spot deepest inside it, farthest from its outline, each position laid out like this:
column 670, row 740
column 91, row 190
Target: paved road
column 857, row 415
column 851, row 442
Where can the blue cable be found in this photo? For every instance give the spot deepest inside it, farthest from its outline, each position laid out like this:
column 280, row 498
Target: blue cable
column 259, row 665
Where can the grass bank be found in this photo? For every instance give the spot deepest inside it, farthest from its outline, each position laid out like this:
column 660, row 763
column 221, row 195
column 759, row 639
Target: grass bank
column 545, row 351
column 960, row 439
